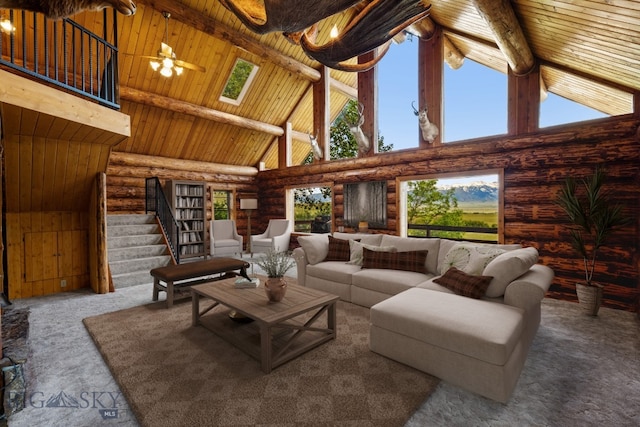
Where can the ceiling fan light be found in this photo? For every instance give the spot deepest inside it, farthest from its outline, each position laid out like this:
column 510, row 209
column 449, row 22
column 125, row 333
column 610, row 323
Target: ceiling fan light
column 178, row 70
column 155, row 65
column 166, row 72
column 167, row 63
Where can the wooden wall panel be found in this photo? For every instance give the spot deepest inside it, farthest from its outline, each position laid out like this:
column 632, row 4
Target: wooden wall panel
column 535, row 167
column 44, row 248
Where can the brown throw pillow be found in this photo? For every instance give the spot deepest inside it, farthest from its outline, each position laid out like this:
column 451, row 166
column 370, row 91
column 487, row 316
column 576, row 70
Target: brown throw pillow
column 338, row 250
column 407, row 261
column 464, row 284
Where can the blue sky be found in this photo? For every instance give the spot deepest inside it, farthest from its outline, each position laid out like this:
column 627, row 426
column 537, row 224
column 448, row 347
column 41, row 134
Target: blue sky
column 475, row 100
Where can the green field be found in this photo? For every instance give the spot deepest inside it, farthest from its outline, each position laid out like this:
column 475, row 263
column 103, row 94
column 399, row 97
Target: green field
column 489, row 218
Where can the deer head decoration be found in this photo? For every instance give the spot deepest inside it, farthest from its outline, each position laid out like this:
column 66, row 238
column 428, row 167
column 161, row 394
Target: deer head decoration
column 428, row 129
column 355, row 126
column 58, row 9
column 317, row 151
column 373, row 24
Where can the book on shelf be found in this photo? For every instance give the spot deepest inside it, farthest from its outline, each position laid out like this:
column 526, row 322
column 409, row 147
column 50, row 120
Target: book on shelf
column 241, row 283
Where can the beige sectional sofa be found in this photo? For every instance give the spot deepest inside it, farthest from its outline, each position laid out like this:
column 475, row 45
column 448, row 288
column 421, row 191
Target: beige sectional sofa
column 428, row 315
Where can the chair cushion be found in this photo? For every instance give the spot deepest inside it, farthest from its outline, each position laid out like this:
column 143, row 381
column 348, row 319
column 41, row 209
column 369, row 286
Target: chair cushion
column 226, row 243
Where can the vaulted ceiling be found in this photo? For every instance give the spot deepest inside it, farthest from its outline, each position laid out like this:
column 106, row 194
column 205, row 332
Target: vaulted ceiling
column 588, row 51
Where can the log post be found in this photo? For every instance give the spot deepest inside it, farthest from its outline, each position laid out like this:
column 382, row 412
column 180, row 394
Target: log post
column 523, row 102
column 430, row 82
column 368, row 96
column 321, row 119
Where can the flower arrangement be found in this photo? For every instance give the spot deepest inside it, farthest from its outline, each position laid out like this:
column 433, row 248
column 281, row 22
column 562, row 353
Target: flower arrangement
column 276, row 264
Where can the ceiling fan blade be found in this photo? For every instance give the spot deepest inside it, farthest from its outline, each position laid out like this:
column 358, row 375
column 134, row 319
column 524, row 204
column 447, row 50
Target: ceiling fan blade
column 190, row 66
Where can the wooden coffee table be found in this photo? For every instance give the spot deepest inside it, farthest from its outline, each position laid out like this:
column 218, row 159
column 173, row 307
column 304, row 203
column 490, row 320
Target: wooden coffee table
column 279, row 331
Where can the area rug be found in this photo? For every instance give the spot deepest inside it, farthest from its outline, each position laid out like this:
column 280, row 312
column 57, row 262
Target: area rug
column 173, row 374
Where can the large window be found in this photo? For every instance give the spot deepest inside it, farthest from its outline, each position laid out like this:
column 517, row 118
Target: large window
column 461, row 206
column 310, row 208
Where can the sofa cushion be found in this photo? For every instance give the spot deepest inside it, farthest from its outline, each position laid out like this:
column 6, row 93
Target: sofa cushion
column 315, row 247
column 335, row 271
column 464, row 284
column 471, row 258
column 338, row 250
column 389, row 282
column 405, row 261
column 369, row 239
column 356, row 250
column 479, row 329
column 446, row 245
column 507, row 267
column 416, row 244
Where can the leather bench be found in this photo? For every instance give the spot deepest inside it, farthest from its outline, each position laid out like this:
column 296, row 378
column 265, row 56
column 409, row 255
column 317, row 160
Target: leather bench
column 192, row 273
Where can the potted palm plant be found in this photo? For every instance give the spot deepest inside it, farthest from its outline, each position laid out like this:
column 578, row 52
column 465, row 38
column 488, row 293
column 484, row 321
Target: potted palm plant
column 275, row 265
column 592, row 218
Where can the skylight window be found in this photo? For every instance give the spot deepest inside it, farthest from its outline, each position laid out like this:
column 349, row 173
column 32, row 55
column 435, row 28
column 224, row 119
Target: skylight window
column 238, row 82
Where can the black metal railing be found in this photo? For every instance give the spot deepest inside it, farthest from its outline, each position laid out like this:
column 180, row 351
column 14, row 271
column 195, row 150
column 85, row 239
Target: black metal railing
column 431, row 230
column 65, row 54
column 156, row 202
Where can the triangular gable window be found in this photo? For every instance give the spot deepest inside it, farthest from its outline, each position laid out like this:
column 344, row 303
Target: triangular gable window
column 238, row 82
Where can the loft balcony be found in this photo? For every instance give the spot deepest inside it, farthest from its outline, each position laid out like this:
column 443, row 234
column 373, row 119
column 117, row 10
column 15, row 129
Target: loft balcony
column 64, row 53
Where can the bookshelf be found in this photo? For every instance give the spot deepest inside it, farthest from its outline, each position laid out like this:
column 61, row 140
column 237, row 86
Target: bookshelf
column 187, row 200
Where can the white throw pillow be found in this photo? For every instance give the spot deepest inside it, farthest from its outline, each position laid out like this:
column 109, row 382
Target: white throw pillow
column 507, row 267
column 315, row 247
column 471, row 258
column 356, row 251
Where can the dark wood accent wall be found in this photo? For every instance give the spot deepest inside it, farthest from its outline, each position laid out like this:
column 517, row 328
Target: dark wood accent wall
column 535, row 166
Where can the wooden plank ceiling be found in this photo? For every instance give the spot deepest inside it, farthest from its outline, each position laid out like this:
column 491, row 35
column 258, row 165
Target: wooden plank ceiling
column 589, row 52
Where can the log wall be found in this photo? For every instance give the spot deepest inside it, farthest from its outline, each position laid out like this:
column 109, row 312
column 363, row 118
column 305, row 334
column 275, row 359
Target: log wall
column 126, row 176
column 535, row 167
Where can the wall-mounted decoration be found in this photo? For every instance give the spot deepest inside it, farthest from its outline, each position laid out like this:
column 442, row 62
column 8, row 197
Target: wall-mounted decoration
column 366, row 201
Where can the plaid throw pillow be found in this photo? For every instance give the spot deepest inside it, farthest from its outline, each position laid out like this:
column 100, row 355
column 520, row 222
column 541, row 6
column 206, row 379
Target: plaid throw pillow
column 464, row 284
column 338, row 250
column 406, row 261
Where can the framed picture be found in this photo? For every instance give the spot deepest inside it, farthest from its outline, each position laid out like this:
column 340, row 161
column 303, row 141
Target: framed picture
column 366, row 201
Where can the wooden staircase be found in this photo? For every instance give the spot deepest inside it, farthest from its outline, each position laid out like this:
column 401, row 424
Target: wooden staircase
column 135, row 245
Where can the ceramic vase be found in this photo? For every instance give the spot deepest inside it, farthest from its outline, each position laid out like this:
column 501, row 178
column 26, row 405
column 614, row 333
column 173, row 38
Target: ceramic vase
column 275, row 287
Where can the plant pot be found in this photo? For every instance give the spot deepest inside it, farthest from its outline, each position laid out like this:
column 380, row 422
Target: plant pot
column 275, row 287
column 589, row 297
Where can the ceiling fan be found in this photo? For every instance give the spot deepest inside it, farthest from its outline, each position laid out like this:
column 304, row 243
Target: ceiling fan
column 166, row 60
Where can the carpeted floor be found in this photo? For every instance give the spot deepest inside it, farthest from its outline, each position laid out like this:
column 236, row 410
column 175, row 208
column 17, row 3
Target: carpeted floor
column 581, row 370
column 173, row 374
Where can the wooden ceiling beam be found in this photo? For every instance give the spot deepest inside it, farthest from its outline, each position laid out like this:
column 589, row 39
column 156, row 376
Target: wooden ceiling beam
column 425, row 29
column 509, row 37
column 198, row 20
column 170, row 104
